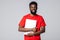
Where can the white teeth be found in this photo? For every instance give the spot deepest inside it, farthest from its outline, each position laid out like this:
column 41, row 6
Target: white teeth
column 33, row 10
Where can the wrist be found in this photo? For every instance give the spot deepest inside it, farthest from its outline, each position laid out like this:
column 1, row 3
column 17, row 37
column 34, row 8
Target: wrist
column 31, row 29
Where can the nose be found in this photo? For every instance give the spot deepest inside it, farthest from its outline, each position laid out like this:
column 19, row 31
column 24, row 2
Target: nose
column 33, row 8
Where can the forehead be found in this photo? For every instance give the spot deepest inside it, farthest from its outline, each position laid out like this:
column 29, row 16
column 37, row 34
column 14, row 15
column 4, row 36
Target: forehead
column 33, row 5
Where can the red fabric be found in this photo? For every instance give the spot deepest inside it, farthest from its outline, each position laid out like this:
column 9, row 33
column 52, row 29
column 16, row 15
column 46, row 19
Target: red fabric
column 40, row 22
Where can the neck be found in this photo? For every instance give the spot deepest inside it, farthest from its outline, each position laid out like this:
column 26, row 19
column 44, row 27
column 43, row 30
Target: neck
column 32, row 14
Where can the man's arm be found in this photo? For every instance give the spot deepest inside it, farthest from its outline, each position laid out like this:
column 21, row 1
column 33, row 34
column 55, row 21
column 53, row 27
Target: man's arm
column 42, row 30
column 21, row 29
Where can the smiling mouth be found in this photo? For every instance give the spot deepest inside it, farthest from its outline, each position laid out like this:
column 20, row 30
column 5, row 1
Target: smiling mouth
column 33, row 10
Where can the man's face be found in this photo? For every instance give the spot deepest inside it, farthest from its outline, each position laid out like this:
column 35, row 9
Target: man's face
column 33, row 9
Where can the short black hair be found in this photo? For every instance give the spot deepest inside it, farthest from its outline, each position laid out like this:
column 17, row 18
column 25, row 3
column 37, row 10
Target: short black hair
column 33, row 2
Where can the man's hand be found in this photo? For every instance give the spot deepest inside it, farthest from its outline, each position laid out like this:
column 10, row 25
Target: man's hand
column 34, row 29
column 33, row 32
column 30, row 34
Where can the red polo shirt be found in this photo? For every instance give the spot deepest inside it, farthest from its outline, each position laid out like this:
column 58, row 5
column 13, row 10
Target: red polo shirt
column 40, row 22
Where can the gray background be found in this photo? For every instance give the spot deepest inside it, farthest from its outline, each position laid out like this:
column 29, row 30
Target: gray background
column 11, row 12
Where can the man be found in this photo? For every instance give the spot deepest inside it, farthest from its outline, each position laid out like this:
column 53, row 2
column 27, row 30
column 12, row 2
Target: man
column 40, row 25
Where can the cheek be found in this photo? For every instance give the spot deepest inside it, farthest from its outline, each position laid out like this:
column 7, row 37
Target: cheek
column 31, row 8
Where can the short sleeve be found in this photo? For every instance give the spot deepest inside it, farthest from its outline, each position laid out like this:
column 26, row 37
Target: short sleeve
column 43, row 22
column 22, row 22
